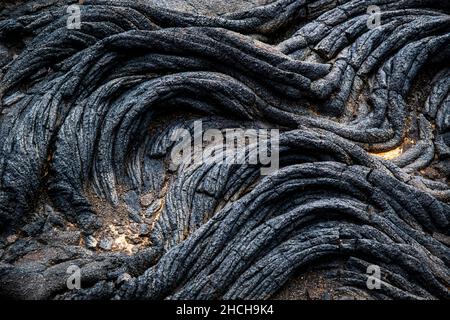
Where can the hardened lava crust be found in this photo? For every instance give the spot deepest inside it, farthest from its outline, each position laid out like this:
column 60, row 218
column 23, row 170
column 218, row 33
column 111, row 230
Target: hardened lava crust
column 87, row 115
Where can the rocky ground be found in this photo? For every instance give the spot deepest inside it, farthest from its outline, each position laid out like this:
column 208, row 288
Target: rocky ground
column 86, row 117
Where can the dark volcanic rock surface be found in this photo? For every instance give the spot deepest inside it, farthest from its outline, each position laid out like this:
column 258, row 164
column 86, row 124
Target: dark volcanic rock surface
column 87, row 116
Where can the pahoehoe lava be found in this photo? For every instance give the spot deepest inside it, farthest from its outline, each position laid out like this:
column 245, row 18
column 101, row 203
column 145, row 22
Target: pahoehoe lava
column 86, row 117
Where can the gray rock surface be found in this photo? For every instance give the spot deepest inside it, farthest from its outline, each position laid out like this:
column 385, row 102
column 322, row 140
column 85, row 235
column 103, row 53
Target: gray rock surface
column 86, row 118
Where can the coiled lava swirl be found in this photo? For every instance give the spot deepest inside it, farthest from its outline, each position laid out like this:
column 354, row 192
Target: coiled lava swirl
column 85, row 125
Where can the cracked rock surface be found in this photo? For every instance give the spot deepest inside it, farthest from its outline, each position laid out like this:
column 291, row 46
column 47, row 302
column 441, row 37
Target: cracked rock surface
column 87, row 115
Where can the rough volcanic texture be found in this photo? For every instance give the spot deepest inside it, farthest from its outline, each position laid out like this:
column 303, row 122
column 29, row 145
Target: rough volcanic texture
column 85, row 123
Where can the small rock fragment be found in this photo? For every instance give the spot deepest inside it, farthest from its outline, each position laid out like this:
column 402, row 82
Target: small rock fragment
column 132, row 202
column 147, row 199
column 12, row 238
column 144, row 229
column 91, row 242
column 124, row 277
column 106, row 243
